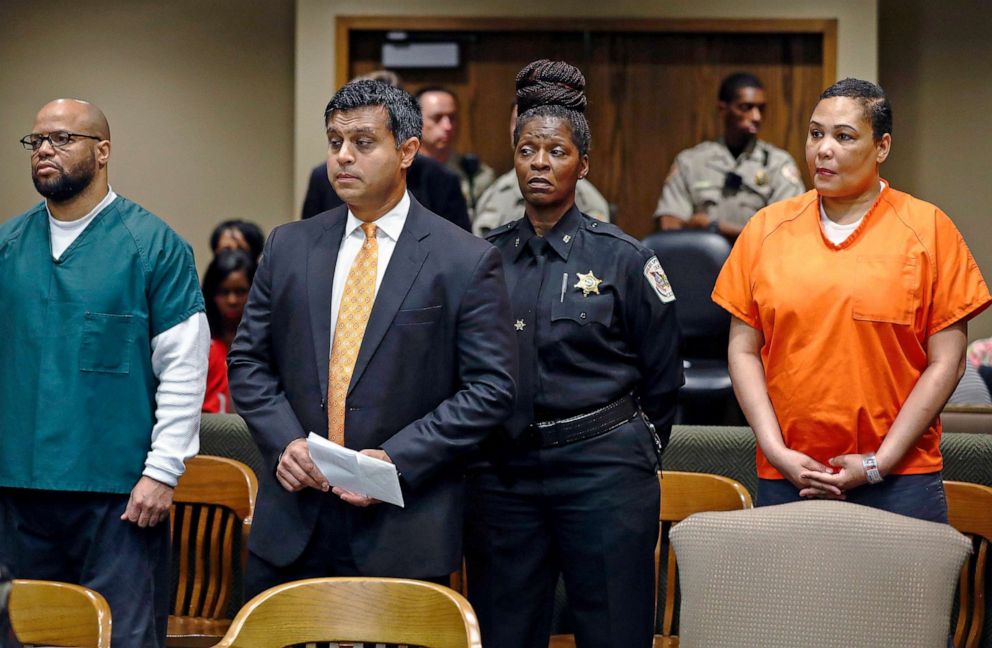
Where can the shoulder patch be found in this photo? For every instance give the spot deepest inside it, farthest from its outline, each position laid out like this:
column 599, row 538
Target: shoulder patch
column 672, row 172
column 791, row 173
column 656, row 277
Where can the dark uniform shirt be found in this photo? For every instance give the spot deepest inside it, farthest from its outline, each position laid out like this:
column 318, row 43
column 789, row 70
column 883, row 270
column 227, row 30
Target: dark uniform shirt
column 603, row 323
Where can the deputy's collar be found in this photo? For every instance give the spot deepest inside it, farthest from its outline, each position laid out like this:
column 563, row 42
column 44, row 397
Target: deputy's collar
column 560, row 238
column 750, row 151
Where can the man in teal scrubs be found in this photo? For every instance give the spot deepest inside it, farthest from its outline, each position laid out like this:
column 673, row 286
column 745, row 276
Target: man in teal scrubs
column 102, row 372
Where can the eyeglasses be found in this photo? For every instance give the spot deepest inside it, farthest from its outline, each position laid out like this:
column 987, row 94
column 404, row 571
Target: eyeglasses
column 59, row 139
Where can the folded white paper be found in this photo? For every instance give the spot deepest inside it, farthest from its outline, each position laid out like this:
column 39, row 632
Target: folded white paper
column 356, row 472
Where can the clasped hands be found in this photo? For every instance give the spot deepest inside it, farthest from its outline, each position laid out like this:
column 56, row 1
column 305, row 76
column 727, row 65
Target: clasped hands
column 296, row 471
column 819, row 481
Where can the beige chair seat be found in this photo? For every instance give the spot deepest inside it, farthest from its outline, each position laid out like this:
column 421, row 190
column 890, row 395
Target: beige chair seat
column 823, row 573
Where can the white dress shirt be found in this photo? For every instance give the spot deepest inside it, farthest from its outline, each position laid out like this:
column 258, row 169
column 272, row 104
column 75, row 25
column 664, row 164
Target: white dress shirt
column 387, row 232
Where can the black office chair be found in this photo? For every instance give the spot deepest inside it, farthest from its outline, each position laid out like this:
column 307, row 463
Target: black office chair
column 692, row 259
column 985, row 371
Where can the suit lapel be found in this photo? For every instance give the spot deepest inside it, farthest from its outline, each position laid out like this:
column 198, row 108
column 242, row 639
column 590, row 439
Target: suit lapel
column 321, row 259
column 404, row 266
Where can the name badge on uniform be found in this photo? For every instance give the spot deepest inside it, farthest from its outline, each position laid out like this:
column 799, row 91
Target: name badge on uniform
column 656, row 276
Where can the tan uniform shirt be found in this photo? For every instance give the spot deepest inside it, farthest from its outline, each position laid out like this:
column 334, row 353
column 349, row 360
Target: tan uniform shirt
column 480, row 182
column 697, row 182
column 503, row 202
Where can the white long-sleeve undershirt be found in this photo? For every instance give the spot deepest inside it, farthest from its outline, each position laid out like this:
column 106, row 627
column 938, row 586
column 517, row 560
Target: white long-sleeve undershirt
column 179, row 361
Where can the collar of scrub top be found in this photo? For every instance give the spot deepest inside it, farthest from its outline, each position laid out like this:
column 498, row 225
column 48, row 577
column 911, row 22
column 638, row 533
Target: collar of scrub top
column 560, row 238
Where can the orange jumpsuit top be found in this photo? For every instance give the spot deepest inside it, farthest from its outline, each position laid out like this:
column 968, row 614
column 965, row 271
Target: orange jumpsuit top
column 846, row 326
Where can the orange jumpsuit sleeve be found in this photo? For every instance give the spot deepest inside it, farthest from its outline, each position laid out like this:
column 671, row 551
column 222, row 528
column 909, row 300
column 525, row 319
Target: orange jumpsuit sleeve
column 733, row 289
column 959, row 291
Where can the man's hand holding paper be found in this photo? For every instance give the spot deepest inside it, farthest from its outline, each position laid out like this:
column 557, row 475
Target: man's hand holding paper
column 359, row 478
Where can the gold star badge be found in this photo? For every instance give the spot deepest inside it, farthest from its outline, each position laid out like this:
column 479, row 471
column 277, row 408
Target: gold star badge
column 588, row 283
column 761, row 178
column 519, row 325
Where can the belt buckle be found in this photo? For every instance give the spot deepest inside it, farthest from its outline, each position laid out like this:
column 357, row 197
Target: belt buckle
column 550, row 431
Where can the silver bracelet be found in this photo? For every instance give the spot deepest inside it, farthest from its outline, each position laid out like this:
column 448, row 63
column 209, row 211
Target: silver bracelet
column 871, row 468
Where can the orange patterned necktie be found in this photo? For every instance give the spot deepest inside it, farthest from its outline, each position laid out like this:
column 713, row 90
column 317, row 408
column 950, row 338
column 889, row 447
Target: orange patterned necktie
column 353, row 315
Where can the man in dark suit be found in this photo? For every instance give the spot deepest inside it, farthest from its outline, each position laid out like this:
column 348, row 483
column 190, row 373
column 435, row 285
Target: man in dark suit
column 430, row 182
column 387, row 327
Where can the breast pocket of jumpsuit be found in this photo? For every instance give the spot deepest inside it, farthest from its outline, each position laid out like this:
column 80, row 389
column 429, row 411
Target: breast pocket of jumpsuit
column 106, row 343
column 887, row 289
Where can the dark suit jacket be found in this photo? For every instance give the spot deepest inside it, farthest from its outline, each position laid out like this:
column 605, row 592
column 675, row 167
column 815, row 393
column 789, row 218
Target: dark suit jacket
column 435, row 374
column 430, row 182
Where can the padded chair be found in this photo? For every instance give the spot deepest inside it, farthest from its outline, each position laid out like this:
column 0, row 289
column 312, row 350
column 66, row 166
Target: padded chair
column 975, row 419
column 58, row 614
column 692, row 259
column 985, row 371
column 370, row 610
column 969, row 508
column 682, row 494
column 227, row 435
column 821, row 573
column 213, row 505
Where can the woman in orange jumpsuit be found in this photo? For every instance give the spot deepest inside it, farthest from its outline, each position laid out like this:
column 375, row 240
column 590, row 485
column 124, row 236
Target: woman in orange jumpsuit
column 850, row 306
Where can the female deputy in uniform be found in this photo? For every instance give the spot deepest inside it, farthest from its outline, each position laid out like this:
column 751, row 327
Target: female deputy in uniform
column 570, row 485
column 849, row 308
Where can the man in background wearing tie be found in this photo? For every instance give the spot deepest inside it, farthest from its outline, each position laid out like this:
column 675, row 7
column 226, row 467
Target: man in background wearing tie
column 385, row 327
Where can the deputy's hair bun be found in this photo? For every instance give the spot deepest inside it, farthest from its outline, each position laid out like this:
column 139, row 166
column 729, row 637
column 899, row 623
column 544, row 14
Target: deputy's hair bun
column 550, row 83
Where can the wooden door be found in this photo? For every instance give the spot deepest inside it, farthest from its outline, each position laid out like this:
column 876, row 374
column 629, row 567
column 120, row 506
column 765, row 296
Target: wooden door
column 651, row 85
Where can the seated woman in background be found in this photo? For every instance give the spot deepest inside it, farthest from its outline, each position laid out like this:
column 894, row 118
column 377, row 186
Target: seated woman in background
column 850, row 306
column 238, row 235
column 225, row 291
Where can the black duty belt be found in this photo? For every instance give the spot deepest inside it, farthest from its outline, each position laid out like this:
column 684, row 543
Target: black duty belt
column 550, row 434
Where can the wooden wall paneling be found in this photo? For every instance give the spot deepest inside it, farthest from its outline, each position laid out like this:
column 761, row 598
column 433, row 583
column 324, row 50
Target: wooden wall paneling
column 651, row 87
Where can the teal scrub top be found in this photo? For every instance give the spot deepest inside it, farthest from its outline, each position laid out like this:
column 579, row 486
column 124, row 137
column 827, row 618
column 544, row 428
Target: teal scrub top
column 77, row 391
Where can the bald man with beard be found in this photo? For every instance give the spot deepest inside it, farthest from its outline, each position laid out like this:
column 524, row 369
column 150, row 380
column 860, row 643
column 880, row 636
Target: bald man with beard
column 102, row 372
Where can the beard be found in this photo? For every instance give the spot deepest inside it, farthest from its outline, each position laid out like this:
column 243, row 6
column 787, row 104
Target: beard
column 67, row 184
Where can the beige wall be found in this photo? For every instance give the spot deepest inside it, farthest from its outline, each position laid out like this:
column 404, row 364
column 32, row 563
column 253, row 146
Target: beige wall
column 212, row 119
column 199, row 94
column 934, row 64
column 315, row 20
